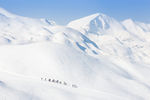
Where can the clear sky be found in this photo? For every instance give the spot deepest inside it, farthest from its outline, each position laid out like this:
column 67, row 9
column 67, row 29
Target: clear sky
column 63, row 11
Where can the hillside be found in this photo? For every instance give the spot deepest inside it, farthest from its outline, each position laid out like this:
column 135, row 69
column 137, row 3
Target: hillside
column 107, row 59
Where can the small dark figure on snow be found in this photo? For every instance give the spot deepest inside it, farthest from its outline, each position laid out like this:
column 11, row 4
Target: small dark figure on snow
column 65, row 83
column 53, row 80
column 57, row 81
column 60, row 82
column 45, row 79
column 74, row 86
column 49, row 80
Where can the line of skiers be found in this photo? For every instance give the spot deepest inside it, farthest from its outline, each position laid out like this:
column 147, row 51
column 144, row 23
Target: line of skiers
column 58, row 82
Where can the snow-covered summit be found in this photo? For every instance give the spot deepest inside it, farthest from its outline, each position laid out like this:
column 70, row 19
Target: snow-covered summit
column 5, row 13
column 95, row 23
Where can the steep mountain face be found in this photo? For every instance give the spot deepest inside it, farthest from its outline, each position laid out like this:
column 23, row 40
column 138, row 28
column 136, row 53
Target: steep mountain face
column 127, row 39
column 95, row 24
column 105, row 58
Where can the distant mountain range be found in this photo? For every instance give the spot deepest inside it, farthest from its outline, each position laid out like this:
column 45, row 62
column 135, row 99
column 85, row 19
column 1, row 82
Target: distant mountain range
column 106, row 58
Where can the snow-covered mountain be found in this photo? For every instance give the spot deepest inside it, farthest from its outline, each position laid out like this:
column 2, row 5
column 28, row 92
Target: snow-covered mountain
column 127, row 39
column 17, row 29
column 107, row 59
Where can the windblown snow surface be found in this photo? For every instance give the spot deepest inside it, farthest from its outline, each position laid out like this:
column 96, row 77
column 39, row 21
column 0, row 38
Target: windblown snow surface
column 106, row 59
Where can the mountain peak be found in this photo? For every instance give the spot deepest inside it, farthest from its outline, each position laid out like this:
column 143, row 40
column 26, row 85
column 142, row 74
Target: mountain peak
column 93, row 23
column 97, row 15
column 89, row 18
column 93, row 15
column 128, row 21
column 2, row 10
column 6, row 13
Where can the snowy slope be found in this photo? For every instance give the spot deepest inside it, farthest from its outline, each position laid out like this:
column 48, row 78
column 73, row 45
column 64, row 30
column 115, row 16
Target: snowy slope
column 17, row 29
column 127, row 39
column 13, row 88
column 105, row 58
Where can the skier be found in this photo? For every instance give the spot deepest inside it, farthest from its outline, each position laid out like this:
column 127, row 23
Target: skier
column 49, row 80
column 60, row 82
column 57, row 81
column 53, row 80
column 45, row 79
column 65, row 83
column 74, row 86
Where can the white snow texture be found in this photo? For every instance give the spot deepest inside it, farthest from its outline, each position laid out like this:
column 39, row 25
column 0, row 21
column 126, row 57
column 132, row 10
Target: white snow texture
column 106, row 59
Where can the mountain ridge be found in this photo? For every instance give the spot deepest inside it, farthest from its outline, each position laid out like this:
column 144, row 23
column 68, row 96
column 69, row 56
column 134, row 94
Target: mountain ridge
column 97, row 52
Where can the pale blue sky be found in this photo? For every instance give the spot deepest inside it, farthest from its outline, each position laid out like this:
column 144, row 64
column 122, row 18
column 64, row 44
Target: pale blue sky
column 63, row 11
